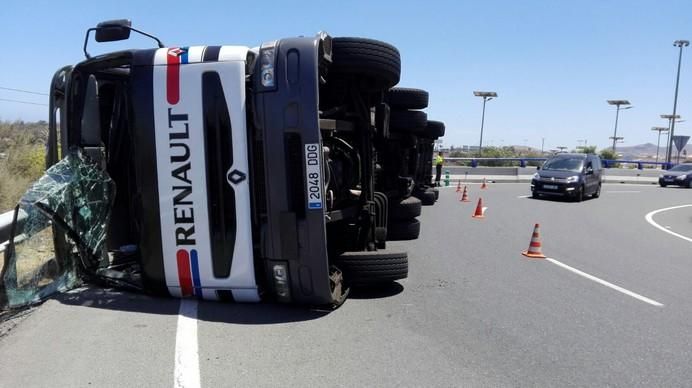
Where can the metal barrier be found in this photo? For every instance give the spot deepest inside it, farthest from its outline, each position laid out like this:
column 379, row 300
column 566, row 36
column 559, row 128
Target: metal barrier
column 474, row 162
column 6, row 224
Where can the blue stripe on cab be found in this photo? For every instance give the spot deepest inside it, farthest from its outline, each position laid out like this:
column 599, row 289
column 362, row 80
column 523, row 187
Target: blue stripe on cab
column 183, row 56
column 194, row 263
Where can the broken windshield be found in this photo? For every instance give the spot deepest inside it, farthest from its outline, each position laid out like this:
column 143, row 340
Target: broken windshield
column 59, row 229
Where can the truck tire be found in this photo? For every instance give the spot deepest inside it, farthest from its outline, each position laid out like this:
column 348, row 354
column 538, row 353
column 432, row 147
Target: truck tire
column 403, row 230
column 373, row 267
column 426, row 197
column 404, row 209
column 377, row 61
column 435, row 129
column 407, row 98
column 437, row 193
column 408, row 121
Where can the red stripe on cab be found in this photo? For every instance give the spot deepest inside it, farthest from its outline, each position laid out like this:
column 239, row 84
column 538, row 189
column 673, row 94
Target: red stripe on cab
column 173, row 76
column 184, row 275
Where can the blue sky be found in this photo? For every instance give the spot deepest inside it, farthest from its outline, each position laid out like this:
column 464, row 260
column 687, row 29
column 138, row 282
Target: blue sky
column 553, row 63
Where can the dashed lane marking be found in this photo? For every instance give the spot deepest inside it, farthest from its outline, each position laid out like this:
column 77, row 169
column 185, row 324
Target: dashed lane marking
column 605, row 283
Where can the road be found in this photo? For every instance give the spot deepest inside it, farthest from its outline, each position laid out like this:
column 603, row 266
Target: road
column 473, row 312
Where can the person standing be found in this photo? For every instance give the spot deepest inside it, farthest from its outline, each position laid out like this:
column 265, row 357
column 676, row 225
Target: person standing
column 439, row 161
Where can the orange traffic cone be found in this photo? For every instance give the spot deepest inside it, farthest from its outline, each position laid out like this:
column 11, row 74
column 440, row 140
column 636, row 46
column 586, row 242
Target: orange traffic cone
column 479, row 210
column 459, row 186
column 464, row 196
column 534, row 250
column 483, row 186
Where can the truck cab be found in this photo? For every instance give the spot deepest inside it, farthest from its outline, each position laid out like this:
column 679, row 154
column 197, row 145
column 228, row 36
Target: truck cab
column 239, row 173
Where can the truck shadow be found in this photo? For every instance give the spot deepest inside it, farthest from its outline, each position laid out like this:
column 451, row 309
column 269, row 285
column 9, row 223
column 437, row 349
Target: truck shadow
column 376, row 291
column 233, row 313
column 209, row 311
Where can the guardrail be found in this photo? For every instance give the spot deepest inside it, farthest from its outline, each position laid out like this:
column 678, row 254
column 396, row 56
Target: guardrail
column 607, row 163
column 6, row 224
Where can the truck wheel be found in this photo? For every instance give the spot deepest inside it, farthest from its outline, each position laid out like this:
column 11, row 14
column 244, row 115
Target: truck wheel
column 403, row 230
column 427, row 197
column 437, row 193
column 404, row 209
column 407, row 98
column 408, row 121
column 435, row 129
column 377, row 61
column 373, row 267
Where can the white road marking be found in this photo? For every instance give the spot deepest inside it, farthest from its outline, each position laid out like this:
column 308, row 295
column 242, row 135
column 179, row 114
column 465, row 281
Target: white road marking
column 186, row 374
column 621, row 191
column 605, row 283
column 650, row 219
column 523, row 196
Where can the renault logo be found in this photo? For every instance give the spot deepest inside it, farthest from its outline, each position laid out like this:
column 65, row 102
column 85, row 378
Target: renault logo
column 235, row 177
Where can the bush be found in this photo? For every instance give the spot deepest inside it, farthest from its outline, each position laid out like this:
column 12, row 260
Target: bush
column 27, row 161
column 11, row 189
column 608, row 154
column 22, row 146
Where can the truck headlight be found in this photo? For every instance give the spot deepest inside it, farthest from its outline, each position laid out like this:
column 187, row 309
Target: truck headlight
column 572, row 179
column 536, row 176
column 267, row 64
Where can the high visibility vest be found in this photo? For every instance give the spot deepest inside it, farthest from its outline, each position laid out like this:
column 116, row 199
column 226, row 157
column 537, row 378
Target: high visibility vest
column 439, row 160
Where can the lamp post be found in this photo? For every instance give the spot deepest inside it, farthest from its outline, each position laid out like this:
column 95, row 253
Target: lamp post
column 542, row 145
column 671, row 133
column 582, row 144
column 670, row 119
column 658, row 143
column 618, row 103
column 487, row 96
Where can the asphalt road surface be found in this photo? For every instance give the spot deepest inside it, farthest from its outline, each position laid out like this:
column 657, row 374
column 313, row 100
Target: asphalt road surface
column 613, row 307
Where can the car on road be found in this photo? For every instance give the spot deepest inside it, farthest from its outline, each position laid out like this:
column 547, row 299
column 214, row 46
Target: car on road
column 680, row 175
column 573, row 176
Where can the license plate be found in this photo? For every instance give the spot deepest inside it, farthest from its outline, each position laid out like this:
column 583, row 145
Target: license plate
column 313, row 173
column 668, row 180
column 550, row 187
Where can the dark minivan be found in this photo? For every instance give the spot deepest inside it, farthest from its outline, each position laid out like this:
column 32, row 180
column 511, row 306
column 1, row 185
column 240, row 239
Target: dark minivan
column 568, row 175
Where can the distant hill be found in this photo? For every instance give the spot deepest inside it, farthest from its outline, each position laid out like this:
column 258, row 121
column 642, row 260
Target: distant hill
column 648, row 151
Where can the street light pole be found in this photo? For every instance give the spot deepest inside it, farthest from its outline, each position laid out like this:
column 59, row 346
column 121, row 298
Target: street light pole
column 617, row 103
column 680, row 44
column 487, row 96
column 658, row 143
column 542, row 145
column 480, row 144
column 670, row 119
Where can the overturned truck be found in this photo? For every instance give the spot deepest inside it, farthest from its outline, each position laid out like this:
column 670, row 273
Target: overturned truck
column 227, row 172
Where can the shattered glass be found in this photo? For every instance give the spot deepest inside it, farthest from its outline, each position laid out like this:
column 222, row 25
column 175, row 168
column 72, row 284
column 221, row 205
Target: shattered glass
column 60, row 232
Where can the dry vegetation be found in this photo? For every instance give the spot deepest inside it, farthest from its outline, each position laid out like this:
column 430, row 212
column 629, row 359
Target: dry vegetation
column 22, row 159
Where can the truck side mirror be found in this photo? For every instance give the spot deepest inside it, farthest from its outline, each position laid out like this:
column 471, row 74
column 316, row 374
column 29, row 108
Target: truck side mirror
column 113, row 30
